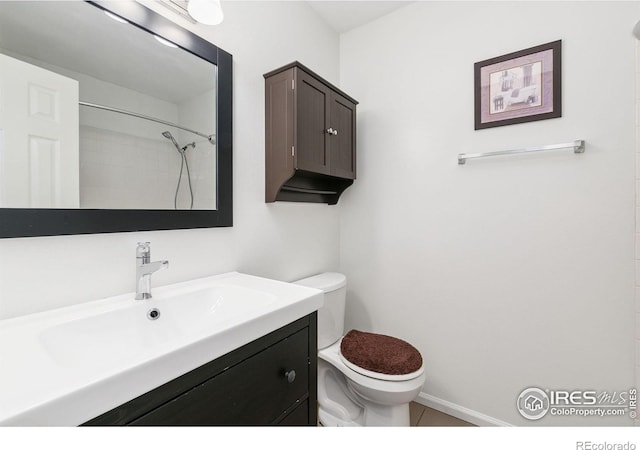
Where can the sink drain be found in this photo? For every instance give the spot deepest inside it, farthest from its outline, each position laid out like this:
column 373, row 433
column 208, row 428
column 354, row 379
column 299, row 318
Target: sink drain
column 153, row 314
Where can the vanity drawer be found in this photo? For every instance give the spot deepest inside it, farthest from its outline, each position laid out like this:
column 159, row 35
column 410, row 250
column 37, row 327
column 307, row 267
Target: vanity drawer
column 254, row 392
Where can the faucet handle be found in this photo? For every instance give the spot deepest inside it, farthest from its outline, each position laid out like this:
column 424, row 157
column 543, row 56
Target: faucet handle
column 143, row 249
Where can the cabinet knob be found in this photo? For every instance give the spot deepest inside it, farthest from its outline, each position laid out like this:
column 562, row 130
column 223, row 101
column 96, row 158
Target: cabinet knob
column 335, row 132
column 329, row 130
column 290, row 376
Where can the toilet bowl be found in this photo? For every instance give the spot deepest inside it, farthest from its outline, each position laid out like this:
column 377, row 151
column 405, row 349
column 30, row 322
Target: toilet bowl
column 348, row 394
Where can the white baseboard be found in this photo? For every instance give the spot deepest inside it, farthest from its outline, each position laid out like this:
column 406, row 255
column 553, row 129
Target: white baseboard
column 462, row 413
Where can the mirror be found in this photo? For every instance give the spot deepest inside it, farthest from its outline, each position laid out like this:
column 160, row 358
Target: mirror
column 110, row 122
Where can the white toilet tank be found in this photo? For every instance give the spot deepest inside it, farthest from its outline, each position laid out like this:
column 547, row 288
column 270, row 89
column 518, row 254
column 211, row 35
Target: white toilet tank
column 331, row 314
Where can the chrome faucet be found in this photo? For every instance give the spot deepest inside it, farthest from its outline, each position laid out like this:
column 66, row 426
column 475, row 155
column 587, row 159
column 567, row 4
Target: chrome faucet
column 144, row 269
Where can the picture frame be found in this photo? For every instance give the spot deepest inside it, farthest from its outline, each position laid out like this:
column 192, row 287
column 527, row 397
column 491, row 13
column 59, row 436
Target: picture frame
column 519, row 87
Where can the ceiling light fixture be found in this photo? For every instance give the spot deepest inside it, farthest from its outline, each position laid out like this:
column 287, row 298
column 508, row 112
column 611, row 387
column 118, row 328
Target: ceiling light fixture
column 208, row 12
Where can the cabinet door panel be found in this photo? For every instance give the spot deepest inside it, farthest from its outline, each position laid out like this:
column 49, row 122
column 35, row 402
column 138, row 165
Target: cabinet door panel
column 343, row 145
column 313, row 117
column 254, row 392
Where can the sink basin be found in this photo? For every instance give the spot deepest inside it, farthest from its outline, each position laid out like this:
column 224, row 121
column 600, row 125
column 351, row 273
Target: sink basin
column 66, row 366
column 180, row 318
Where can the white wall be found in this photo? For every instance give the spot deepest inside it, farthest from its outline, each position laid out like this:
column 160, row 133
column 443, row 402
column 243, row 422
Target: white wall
column 507, row 272
column 284, row 241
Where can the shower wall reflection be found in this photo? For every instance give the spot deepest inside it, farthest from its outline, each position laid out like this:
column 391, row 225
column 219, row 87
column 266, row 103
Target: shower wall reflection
column 123, row 171
column 126, row 163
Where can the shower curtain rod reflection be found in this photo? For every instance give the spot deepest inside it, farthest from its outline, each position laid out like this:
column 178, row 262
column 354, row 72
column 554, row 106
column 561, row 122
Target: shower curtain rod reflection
column 210, row 137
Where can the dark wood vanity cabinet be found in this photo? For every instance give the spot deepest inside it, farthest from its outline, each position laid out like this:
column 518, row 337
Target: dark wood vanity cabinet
column 310, row 137
column 270, row 381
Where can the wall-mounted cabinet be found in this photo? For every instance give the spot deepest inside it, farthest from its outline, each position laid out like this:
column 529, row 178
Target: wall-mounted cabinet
column 310, row 137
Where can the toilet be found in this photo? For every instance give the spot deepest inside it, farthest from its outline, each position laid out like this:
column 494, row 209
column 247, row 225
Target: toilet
column 364, row 379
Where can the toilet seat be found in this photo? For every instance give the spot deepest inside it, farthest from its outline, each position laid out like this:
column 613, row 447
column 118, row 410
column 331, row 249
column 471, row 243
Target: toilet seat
column 374, row 380
column 380, row 356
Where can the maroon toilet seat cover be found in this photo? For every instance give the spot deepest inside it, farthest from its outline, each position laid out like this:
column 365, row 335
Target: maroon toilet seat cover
column 380, row 353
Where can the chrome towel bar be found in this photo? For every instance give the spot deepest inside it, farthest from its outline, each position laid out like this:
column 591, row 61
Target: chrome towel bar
column 577, row 146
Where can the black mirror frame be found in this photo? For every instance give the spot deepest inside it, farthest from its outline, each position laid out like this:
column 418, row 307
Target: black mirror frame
column 31, row 222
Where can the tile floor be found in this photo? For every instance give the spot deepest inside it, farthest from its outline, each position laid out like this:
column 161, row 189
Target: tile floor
column 423, row 416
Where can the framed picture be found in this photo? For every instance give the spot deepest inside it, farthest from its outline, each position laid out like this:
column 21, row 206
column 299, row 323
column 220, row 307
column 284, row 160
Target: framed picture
column 518, row 87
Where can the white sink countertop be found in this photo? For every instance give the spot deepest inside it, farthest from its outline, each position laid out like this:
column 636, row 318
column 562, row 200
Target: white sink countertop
column 68, row 365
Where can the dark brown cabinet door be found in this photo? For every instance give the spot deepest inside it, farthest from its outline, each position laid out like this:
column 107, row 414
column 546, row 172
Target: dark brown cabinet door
column 326, row 129
column 312, row 116
column 342, row 143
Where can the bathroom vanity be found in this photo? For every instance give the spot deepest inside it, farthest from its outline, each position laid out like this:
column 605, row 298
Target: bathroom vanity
column 271, row 381
column 230, row 349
